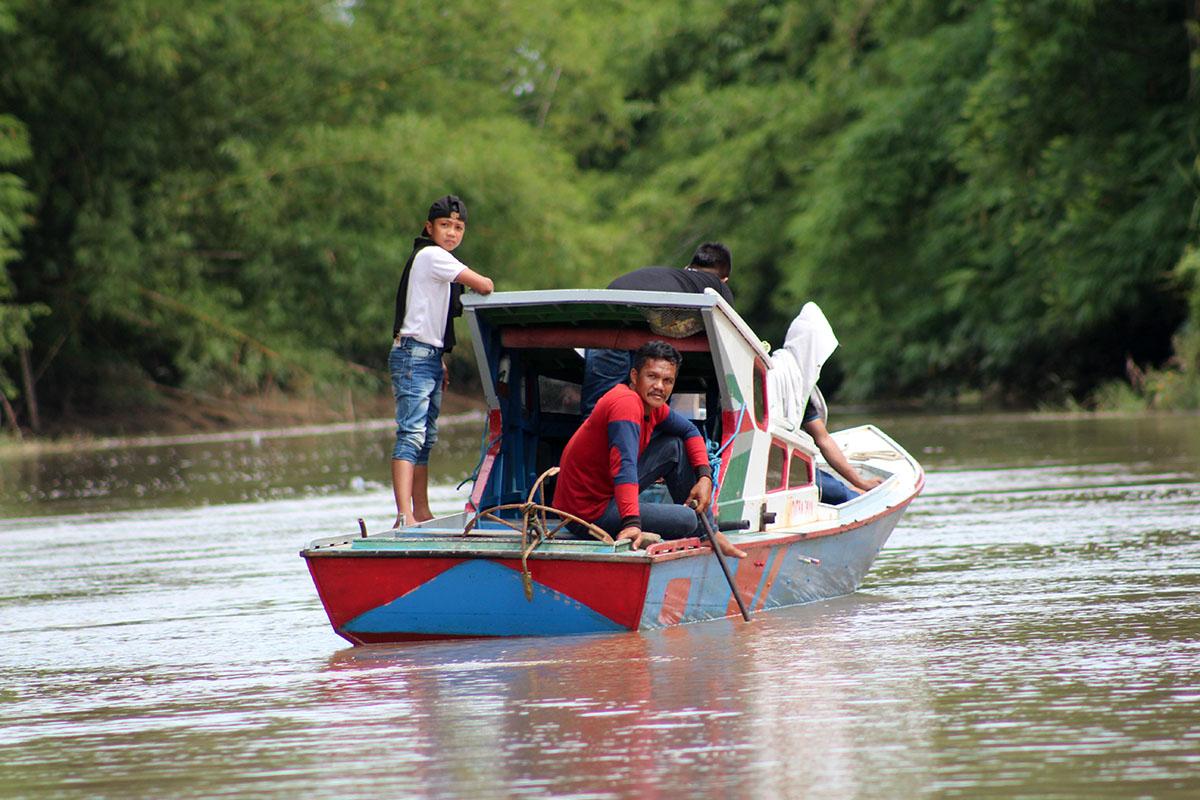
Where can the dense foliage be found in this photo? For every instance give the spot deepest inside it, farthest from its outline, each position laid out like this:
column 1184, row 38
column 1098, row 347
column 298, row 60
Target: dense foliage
column 217, row 196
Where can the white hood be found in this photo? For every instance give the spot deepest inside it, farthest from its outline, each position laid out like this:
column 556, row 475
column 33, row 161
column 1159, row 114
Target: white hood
column 809, row 343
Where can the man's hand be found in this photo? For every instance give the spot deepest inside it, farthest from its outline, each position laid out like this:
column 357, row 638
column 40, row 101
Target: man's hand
column 632, row 532
column 445, row 375
column 701, row 494
column 863, row 485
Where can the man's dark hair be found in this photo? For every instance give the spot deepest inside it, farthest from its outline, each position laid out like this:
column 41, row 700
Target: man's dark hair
column 714, row 256
column 656, row 350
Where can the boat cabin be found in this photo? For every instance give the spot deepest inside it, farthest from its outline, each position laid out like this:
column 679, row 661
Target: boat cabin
column 530, row 351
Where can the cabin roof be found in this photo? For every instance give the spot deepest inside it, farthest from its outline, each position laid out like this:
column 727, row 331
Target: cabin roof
column 602, row 308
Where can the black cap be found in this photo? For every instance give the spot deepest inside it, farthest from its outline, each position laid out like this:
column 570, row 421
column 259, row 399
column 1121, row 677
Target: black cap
column 448, row 206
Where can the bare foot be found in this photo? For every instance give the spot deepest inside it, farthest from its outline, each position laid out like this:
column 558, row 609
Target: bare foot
column 422, row 515
column 727, row 547
column 400, row 522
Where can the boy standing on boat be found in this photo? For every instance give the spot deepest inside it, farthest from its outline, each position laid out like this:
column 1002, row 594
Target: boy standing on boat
column 709, row 269
column 426, row 303
column 630, row 440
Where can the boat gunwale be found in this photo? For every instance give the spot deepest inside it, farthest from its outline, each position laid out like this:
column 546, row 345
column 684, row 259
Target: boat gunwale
column 680, row 548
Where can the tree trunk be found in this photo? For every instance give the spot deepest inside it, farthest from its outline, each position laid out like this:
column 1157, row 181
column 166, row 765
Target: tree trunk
column 31, row 404
column 1193, row 35
column 10, row 416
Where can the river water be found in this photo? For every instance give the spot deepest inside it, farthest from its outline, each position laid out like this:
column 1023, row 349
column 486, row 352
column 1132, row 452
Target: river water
column 1031, row 630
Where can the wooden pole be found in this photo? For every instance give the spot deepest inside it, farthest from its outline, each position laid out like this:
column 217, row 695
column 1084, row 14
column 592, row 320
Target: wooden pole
column 711, row 535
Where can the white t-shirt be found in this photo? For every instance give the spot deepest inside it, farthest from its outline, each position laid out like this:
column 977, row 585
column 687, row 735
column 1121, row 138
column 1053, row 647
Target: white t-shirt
column 428, row 299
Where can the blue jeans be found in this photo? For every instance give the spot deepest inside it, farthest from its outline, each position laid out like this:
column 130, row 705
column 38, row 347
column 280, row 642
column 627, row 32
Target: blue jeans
column 602, row 370
column 664, row 457
column 832, row 491
column 417, row 386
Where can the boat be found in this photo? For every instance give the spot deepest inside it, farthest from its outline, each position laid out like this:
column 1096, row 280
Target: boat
column 505, row 566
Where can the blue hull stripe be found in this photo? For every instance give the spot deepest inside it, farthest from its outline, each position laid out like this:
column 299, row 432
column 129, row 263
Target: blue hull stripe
column 479, row 598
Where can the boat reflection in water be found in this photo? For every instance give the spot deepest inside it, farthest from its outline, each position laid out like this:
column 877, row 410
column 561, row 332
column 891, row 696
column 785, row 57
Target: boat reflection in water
column 777, row 708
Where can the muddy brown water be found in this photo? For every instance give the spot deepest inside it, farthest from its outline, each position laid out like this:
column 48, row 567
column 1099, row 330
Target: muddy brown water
column 1031, row 630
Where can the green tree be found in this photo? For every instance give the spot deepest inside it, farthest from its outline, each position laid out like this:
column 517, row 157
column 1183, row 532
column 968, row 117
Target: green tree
column 226, row 190
column 982, row 195
column 15, row 318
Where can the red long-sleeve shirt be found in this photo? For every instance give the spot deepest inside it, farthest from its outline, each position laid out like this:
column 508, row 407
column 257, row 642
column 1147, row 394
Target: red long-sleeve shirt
column 600, row 461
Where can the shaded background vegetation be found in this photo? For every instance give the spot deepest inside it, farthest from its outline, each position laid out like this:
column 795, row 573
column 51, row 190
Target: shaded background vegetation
column 990, row 199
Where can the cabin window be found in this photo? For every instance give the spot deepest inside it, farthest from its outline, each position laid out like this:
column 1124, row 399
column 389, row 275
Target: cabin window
column 558, row 396
column 799, row 471
column 760, row 394
column 776, row 458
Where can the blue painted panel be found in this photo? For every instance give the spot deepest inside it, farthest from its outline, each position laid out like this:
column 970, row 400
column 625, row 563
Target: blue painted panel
column 480, row 598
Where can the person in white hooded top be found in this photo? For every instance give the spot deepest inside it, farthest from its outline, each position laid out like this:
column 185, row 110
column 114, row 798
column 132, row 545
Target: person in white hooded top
column 797, row 366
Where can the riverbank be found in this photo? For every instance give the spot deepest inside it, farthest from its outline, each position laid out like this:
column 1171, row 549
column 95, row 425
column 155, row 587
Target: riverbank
column 203, row 420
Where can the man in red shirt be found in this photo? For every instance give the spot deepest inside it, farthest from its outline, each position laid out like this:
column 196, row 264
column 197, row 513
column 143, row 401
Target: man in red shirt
column 630, row 440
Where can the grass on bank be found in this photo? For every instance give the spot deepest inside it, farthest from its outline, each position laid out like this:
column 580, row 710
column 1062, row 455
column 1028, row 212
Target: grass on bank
column 1174, row 387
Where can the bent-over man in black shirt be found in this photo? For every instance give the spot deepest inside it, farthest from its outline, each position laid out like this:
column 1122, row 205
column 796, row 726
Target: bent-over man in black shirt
column 709, row 269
